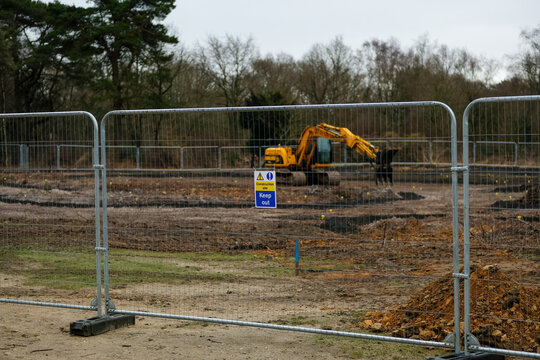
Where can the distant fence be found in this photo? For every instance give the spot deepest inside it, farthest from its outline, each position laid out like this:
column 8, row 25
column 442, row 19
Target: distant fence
column 429, row 153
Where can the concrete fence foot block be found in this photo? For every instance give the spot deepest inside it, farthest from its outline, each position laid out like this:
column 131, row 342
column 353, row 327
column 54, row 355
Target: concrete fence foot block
column 100, row 324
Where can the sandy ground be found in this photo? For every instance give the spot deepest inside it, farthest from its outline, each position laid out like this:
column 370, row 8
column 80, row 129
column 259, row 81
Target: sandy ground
column 29, row 332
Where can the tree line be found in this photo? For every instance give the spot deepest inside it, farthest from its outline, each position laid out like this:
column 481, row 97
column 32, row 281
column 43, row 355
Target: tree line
column 117, row 54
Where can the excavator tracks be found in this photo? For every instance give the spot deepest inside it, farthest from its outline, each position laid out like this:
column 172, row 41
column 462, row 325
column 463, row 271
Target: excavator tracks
column 301, row 178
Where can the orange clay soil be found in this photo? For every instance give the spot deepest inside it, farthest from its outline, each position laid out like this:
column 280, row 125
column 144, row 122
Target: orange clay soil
column 504, row 314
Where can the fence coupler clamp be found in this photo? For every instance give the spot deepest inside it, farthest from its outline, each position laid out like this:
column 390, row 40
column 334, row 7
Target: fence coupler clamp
column 461, row 276
column 109, row 305
column 450, row 339
column 94, row 303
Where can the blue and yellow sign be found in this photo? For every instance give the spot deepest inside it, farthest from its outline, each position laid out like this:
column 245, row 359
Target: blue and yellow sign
column 265, row 189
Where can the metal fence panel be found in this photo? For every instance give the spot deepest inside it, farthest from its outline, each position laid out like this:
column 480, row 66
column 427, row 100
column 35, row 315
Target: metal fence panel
column 184, row 240
column 501, row 225
column 49, row 210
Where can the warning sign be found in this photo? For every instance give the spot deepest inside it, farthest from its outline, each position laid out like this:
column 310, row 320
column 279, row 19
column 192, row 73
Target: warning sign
column 265, row 186
column 265, row 189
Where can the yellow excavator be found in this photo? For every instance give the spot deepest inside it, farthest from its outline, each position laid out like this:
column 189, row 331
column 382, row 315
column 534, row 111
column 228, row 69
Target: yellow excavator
column 309, row 162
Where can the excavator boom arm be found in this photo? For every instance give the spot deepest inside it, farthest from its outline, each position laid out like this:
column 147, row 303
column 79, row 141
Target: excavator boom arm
column 355, row 142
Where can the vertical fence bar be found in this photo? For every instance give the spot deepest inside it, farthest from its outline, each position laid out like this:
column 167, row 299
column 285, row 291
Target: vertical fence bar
column 104, row 216
column 58, row 157
column 466, row 235
column 455, row 234
column 97, row 168
column 431, row 152
column 516, row 154
column 181, row 158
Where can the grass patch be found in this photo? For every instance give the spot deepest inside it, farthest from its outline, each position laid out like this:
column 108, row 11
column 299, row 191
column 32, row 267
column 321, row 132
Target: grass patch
column 74, row 268
column 187, row 256
column 129, row 270
column 69, row 268
column 274, row 272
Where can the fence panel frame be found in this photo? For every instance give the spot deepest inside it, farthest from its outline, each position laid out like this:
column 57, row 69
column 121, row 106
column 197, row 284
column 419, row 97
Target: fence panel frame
column 452, row 341
column 96, row 304
column 470, row 342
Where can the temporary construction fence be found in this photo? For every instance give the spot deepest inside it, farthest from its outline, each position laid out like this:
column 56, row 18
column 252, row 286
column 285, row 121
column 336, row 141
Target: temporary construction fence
column 181, row 238
column 501, row 230
column 46, row 210
column 218, row 259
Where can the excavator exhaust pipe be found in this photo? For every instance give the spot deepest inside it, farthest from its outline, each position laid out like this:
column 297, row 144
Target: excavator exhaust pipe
column 383, row 166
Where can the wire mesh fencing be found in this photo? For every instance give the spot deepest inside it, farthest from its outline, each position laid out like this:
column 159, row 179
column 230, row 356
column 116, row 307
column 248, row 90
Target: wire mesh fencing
column 49, row 209
column 502, row 238
column 183, row 235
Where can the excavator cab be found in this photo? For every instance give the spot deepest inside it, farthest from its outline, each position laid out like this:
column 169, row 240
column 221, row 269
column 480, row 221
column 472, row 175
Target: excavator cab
column 324, row 151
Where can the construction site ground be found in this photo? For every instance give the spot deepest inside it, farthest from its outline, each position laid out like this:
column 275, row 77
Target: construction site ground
column 373, row 253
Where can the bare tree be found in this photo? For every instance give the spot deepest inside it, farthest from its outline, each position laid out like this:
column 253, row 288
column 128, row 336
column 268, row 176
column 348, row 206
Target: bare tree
column 228, row 63
column 275, row 74
column 529, row 60
column 328, row 74
column 383, row 61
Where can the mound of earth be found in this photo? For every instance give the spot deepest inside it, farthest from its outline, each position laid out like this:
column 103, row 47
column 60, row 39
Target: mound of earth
column 532, row 195
column 531, row 200
column 504, row 314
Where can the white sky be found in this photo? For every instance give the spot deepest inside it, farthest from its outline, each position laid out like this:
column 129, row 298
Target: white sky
column 488, row 28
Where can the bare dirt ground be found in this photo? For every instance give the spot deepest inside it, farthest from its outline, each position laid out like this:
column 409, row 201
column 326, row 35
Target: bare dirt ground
column 43, row 333
column 380, row 246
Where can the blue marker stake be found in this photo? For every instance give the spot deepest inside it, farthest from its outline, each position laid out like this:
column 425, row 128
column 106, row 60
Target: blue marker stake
column 297, row 259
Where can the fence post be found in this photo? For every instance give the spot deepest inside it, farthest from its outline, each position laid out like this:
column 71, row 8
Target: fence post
column 516, row 152
column 23, row 157
column 58, row 151
column 182, row 158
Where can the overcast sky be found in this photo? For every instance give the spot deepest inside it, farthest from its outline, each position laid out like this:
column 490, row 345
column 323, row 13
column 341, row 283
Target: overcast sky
column 488, row 28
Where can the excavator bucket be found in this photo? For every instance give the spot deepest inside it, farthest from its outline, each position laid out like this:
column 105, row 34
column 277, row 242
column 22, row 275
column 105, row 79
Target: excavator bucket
column 383, row 166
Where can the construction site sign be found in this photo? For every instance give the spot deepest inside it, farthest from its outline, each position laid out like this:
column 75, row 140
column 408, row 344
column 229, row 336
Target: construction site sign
column 265, row 189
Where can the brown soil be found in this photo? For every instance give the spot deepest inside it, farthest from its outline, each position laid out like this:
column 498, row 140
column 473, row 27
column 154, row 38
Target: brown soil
column 510, row 320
